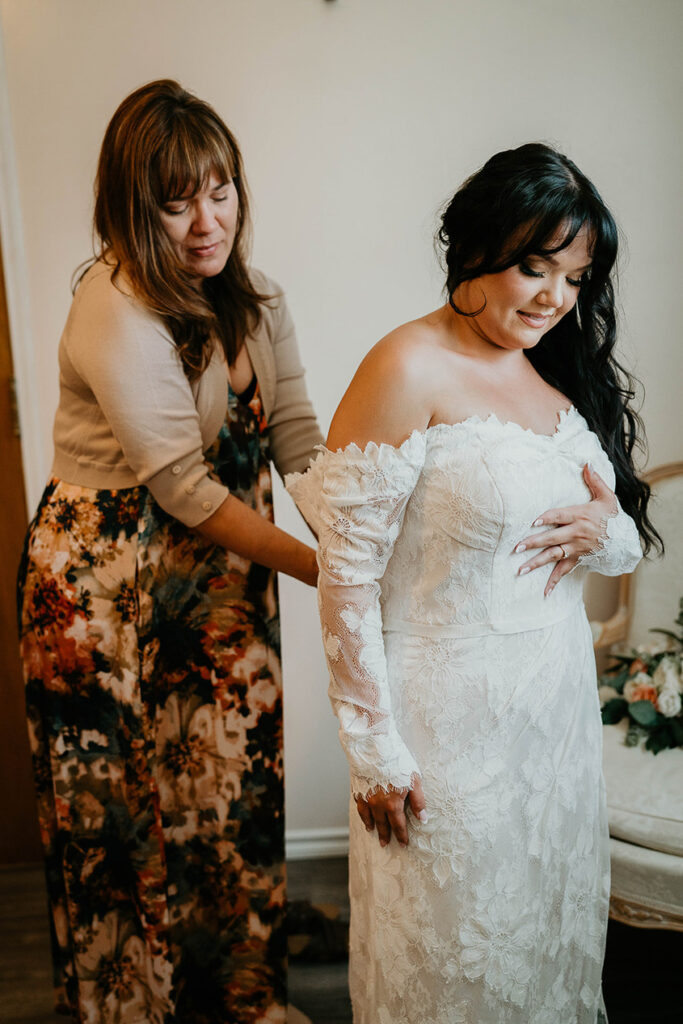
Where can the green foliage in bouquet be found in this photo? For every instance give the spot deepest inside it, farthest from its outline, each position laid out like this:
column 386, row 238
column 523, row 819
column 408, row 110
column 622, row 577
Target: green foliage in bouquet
column 646, row 685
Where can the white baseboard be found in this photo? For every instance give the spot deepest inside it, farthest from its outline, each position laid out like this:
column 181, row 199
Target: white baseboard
column 305, row 843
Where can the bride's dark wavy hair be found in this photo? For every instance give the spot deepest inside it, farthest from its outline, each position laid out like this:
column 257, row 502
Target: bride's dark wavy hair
column 534, row 201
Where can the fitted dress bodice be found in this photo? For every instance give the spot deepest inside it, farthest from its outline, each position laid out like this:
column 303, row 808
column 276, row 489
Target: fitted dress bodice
column 453, row 571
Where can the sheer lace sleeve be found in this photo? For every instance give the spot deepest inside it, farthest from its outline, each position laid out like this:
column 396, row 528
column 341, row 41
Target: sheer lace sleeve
column 619, row 550
column 356, row 501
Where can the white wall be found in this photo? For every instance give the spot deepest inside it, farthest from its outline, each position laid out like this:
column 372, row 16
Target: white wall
column 357, row 119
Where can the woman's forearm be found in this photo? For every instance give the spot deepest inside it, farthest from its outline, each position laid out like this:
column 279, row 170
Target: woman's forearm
column 240, row 529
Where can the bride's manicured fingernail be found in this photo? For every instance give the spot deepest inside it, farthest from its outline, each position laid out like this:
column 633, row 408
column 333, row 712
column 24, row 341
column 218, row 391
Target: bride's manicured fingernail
column 524, row 571
column 520, row 548
column 424, row 817
column 537, row 522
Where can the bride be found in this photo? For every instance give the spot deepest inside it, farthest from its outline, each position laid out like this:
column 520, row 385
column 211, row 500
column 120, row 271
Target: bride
column 478, row 467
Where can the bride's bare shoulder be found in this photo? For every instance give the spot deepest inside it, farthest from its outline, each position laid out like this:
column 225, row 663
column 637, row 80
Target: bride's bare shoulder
column 390, row 394
column 404, row 358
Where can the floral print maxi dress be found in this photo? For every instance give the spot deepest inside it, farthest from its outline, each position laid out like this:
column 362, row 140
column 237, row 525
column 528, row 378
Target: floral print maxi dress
column 154, row 704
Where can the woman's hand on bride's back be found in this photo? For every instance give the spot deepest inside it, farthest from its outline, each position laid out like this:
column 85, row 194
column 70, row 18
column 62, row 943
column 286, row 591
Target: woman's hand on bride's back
column 387, row 812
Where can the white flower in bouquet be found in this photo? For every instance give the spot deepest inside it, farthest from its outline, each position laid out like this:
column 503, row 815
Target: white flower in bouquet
column 654, row 646
column 667, row 675
column 669, row 702
column 606, row 693
column 633, row 688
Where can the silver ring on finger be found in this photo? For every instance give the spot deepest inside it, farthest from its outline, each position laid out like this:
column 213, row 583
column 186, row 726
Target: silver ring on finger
column 564, row 553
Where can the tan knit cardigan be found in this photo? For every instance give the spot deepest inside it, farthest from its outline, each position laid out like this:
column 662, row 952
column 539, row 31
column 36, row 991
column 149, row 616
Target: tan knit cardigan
column 128, row 415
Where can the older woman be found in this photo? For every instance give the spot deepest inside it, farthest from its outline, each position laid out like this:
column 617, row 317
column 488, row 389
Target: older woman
column 471, row 466
column 149, row 612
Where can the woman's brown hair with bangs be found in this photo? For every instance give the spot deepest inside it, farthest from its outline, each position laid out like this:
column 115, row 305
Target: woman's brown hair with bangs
column 163, row 142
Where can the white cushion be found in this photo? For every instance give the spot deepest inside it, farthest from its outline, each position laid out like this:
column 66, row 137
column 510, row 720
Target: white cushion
column 644, row 793
column 647, row 886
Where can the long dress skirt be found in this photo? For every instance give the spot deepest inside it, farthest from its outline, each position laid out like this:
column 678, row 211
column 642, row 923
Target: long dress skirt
column 153, row 691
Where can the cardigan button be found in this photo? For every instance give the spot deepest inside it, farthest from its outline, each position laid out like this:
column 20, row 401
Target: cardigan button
column 190, row 488
column 176, row 470
column 207, row 506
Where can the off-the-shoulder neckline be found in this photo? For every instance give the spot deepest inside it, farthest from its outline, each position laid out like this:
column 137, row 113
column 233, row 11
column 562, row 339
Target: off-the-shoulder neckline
column 563, row 417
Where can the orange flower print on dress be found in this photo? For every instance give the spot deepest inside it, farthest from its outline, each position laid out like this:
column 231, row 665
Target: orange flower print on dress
column 154, row 694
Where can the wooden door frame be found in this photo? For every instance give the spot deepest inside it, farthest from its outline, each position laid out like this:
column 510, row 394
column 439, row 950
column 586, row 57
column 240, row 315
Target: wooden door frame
column 19, row 840
column 18, row 305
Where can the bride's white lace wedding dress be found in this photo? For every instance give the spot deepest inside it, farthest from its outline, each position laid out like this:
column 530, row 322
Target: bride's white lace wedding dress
column 447, row 664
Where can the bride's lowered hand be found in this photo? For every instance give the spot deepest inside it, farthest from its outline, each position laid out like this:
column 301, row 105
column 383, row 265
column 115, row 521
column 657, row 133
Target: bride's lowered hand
column 387, row 811
column 574, row 531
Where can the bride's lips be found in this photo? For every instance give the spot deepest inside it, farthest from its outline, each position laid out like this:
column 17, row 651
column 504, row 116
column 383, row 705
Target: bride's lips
column 204, row 250
column 533, row 319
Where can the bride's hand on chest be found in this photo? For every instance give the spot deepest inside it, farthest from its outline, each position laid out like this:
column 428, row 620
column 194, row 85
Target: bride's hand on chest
column 572, row 532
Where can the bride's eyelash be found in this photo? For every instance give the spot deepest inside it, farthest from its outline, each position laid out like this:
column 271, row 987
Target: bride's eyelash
column 526, row 269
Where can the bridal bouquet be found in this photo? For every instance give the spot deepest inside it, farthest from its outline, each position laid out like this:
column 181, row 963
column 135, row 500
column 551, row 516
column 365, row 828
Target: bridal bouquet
column 646, row 684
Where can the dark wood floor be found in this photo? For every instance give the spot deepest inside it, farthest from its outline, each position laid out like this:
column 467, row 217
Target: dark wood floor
column 320, row 990
column 642, row 980
column 25, row 969
column 642, row 977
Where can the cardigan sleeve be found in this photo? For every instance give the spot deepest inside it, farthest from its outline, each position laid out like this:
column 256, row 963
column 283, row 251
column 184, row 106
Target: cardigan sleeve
column 293, row 427
column 119, row 359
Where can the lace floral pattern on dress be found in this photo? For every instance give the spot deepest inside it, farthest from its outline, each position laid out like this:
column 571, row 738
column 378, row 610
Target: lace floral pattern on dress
column 358, row 513
column 443, row 660
column 620, row 538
